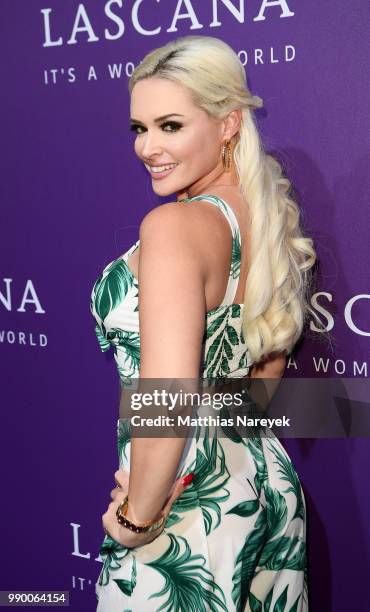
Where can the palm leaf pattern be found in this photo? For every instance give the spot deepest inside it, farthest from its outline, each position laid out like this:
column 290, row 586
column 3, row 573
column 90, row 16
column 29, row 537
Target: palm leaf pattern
column 236, row 255
column 112, row 288
column 233, row 434
column 123, row 438
column 225, row 350
column 280, row 605
column 229, row 430
column 246, row 508
column 127, row 586
column 247, row 560
column 207, row 489
column 254, row 603
column 112, row 554
column 103, row 342
column 280, row 552
column 256, row 448
column 211, row 475
column 284, row 553
column 277, row 511
column 129, row 357
column 188, row 584
column 260, row 527
column 290, row 475
column 264, row 548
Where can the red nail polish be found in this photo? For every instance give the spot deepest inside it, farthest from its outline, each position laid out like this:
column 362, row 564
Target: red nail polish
column 187, row 479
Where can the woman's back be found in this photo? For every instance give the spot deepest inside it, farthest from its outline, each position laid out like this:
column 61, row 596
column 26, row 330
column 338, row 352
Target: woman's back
column 114, row 304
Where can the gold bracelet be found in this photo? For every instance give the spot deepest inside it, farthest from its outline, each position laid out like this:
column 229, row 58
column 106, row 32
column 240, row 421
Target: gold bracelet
column 143, row 527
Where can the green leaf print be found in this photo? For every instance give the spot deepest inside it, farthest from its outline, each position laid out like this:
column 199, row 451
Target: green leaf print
column 247, row 508
column 188, row 584
column 229, row 353
column 112, row 288
column 235, row 311
column 123, row 438
column 173, row 519
column 127, row 586
column 284, row 553
column 225, row 369
column 277, row 511
column 211, row 475
column 128, row 360
column 229, row 430
column 112, row 554
column 254, row 603
column 215, row 325
column 290, row 475
column 103, row 343
column 235, row 256
column 294, row 607
column 281, row 601
column 256, row 448
column 268, row 600
column 221, row 337
column 214, row 353
column 247, row 560
column 232, row 335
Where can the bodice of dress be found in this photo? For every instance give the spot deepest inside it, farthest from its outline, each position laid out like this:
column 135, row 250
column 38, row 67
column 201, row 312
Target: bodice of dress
column 114, row 304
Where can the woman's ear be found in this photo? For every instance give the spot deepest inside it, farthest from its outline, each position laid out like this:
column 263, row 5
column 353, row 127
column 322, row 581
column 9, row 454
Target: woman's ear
column 232, row 123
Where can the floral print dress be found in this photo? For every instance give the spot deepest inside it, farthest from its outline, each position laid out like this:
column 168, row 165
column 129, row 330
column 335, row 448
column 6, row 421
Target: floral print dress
column 235, row 540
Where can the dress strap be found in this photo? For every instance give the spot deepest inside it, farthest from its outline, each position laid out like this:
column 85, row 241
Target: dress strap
column 234, row 273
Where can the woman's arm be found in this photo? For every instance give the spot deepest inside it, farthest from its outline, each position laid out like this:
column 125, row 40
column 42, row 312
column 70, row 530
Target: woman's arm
column 172, row 317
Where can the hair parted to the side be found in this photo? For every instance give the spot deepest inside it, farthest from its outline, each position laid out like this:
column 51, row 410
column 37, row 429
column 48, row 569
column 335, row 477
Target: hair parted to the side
column 276, row 298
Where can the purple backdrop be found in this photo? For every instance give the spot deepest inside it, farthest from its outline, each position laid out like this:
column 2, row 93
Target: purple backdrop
column 73, row 195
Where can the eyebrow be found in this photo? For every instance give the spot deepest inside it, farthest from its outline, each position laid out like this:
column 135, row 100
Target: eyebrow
column 158, row 119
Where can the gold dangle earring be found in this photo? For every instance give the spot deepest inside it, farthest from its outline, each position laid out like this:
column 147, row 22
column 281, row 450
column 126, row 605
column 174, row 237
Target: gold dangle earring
column 226, row 155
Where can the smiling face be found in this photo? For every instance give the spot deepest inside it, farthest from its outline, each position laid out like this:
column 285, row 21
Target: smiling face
column 178, row 142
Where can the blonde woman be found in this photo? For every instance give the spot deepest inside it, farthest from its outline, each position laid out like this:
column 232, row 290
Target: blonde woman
column 219, row 282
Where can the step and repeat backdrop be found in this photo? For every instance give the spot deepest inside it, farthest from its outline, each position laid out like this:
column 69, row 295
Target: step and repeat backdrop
column 72, row 198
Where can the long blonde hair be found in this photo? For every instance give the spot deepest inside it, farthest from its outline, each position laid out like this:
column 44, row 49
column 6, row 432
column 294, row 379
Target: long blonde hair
column 276, row 300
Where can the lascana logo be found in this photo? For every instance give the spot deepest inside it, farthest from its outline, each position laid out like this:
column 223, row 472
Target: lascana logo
column 28, row 298
column 83, row 30
column 82, row 583
column 27, row 302
column 347, row 313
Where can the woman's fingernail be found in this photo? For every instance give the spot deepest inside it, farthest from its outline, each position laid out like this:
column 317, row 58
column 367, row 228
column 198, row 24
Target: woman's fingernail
column 187, row 479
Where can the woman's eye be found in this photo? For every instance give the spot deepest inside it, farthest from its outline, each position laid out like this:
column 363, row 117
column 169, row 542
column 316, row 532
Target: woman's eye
column 169, row 126
column 135, row 128
column 173, row 125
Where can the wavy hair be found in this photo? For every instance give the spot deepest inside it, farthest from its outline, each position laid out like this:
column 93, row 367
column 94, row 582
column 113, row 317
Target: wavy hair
column 276, row 297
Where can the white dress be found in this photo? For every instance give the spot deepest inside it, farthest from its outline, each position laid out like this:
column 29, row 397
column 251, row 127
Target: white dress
column 235, row 539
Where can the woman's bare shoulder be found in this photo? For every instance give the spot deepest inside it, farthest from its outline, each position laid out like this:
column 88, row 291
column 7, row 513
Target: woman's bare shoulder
column 202, row 223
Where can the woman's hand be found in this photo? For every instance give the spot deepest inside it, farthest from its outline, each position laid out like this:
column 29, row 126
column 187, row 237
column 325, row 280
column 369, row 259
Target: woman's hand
column 123, row 535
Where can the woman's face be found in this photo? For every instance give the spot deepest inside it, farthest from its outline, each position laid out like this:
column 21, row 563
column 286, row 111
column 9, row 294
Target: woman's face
column 179, row 144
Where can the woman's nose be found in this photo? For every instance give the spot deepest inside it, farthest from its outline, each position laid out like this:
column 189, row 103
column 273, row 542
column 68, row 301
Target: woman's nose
column 151, row 145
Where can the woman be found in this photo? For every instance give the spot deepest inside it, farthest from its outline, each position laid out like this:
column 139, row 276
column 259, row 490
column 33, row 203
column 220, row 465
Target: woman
column 224, row 516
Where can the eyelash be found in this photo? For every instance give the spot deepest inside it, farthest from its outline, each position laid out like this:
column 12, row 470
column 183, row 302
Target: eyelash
column 174, row 124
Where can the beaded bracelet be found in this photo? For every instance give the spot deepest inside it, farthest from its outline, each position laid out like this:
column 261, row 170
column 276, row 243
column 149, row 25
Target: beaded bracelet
column 143, row 527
